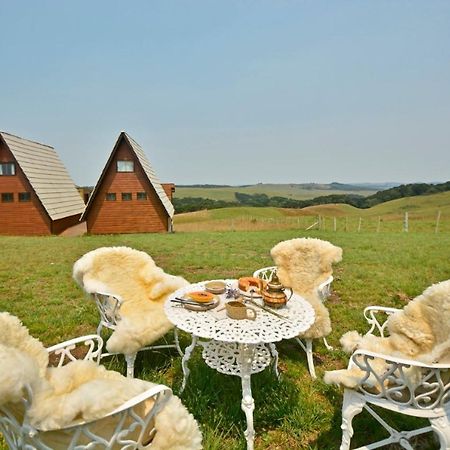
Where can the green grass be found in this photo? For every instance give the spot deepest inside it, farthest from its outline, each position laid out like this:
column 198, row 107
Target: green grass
column 294, row 191
column 296, row 413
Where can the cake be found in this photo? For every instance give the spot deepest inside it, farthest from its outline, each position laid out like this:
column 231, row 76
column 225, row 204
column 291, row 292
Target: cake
column 250, row 284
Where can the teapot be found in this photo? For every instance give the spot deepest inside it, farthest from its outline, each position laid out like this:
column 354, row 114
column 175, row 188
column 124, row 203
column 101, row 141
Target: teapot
column 273, row 293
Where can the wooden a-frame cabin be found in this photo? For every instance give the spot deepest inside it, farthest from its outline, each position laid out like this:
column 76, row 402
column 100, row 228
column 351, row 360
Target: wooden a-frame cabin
column 128, row 197
column 37, row 195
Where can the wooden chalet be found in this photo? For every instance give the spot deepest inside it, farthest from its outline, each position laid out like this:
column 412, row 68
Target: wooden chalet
column 128, row 197
column 37, row 195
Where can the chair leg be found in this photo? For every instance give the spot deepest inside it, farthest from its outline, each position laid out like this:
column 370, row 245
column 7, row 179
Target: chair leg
column 130, row 364
column 441, row 426
column 307, row 347
column 352, row 405
column 309, row 357
column 327, row 345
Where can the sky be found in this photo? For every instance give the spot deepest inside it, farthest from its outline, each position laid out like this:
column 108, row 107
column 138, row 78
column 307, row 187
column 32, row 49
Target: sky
column 234, row 92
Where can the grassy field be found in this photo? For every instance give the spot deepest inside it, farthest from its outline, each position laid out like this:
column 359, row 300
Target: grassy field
column 386, row 217
column 295, row 413
column 294, row 191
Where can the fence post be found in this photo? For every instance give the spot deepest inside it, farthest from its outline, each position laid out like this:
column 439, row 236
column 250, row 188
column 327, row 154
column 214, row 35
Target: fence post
column 346, row 223
column 405, row 223
column 378, row 224
column 359, row 224
column 438, row 218
column 334, row 223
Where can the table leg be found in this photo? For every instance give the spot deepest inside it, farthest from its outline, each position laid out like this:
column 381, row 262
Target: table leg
column 184, row 361
column 274, row 353
column 246, row 352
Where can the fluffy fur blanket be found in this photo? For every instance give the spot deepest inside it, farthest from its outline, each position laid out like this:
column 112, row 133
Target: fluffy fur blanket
column 78, row 392
column 303, row 264
column 420, row 331
column 142, row 286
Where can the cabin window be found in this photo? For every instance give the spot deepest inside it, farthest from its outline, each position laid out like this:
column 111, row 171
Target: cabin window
column 125, row 166
column 111, row 196
column 142, row 195
column 8, row 168
column 7, row 197
column 126, row 196
column 24, row 196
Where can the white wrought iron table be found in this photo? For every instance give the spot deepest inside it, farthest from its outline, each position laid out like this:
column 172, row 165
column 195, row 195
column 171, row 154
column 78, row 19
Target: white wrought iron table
column 238, row 347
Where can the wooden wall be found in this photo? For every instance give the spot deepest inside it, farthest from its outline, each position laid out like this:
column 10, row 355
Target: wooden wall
column 20, row 218
column 135, row 216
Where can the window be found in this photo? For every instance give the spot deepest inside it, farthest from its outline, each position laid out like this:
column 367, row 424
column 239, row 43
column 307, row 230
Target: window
column 111, row 196
column 126, row 196
column 142, row 195
column 24, row 196
column 7, row 197
column 125, row 166
column 8, row 168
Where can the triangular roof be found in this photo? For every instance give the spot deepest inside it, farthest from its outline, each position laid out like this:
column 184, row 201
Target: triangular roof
column 146, row 167
column 47, row 176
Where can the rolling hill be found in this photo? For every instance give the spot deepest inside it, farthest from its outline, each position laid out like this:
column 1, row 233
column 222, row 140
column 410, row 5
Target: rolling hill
column 294, row 191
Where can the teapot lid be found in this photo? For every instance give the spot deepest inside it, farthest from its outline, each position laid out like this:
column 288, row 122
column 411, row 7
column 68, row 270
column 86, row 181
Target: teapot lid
column 274, row 282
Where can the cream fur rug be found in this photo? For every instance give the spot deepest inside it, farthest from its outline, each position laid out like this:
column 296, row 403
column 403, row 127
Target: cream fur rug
column 142, row 286
column 303, row 264
column 78, row 392
column 420, row 331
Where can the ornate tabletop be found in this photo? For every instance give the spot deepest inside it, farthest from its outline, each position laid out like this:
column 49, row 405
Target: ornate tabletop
column 267, row 327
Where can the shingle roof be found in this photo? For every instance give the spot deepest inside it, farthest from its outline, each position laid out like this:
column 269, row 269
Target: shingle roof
column 148, row 170
column 47, row 175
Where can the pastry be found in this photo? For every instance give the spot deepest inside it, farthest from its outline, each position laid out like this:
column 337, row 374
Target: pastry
column 250, row 284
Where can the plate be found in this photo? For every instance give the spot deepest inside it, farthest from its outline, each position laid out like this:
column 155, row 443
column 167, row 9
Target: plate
column 215, row 287
column 203, row 307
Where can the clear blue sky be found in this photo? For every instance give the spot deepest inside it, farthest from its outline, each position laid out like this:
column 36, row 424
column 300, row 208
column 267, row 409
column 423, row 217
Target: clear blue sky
column 234, row 92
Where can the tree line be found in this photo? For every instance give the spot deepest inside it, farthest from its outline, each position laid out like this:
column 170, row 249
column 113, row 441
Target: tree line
column 190, row 204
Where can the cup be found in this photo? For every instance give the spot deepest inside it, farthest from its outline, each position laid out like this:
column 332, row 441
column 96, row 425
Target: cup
column 237, row 310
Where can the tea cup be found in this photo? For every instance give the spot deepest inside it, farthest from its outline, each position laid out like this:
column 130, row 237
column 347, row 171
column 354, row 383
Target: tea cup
column 237, row 310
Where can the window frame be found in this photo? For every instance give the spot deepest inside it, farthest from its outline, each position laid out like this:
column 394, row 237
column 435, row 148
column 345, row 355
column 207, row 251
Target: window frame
column 125, row 162
column 111, row 197
column 141, row 196
column 27, row 198
column 12, row 165
column 125, row 197
column 3, row 197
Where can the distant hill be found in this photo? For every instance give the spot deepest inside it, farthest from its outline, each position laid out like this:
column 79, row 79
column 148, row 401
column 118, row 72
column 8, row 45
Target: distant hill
column 303, row 191
column 348, row 197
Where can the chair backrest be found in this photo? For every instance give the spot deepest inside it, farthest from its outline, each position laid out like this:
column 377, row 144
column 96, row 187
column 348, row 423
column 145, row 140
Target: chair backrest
column 305, row 263
column 108, row 306
column 132, row 425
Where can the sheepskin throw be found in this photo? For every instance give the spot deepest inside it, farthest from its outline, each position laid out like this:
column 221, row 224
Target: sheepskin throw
column 303, row 264
column 420, row 331
column 142, row 286
column 78, row 392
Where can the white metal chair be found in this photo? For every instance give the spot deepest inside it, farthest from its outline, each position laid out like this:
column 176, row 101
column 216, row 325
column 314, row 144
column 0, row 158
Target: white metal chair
column 324, row 290
column 130, row 426
column 108, row 306
column 405, row 386
column 129, row 290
